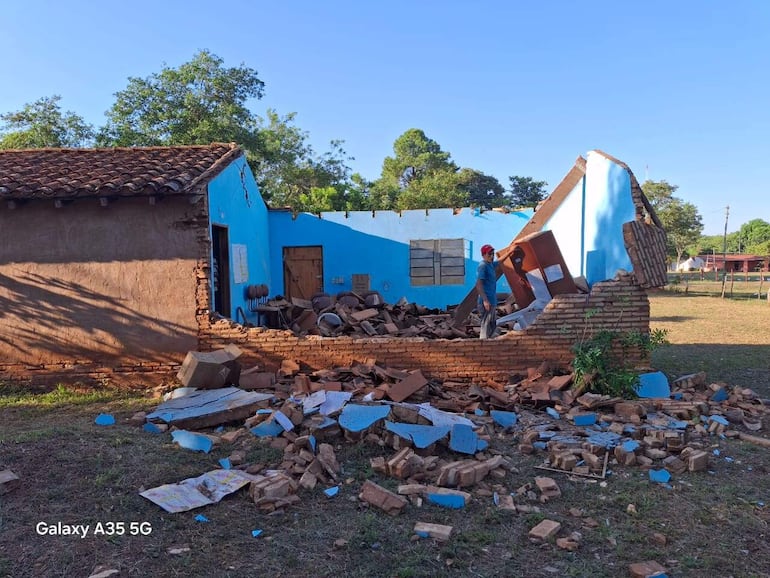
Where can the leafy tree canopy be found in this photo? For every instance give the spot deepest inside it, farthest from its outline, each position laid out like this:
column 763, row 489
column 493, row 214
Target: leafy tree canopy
column 42, row 124
column 418, row 176
column 482, row 190
column 287, row 168
column 754, row 237
column 681, row 220
column 201, row 102
column 526, row 192
column 198, row 103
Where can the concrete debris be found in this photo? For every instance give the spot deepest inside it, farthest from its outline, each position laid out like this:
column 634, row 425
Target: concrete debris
column 212, row 369
column 355, row 315
column 103, row 572
column 378, row 496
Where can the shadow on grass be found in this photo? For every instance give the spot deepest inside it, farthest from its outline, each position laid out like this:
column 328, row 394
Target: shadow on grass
column 672, row 318
column 743, row 365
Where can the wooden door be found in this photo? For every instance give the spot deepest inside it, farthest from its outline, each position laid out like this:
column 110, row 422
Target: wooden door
column 303, row 272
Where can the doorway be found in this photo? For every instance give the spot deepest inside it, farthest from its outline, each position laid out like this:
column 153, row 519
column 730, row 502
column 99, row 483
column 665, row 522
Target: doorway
column 220, row 270
column 303, row 274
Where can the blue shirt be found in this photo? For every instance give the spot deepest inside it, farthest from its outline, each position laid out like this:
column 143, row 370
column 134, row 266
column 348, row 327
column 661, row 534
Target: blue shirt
column 486, row 273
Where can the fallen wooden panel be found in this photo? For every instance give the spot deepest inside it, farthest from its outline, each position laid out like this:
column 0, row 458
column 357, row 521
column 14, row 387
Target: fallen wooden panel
column 209, row 408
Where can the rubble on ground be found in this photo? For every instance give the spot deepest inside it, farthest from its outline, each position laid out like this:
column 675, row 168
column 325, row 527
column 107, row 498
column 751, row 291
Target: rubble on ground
column 368, row 315
column 8, row 481
column 436, row 437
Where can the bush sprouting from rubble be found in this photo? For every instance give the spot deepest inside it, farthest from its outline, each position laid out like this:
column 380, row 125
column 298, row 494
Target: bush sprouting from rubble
column 601, row 366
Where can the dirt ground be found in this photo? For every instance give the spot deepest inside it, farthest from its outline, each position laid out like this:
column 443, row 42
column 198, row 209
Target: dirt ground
column 74, row 472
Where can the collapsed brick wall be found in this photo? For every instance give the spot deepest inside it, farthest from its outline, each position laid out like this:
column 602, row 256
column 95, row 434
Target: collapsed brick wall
column 620, row 305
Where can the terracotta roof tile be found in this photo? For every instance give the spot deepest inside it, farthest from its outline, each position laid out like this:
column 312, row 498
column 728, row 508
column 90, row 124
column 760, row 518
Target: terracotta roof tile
column 140, row 171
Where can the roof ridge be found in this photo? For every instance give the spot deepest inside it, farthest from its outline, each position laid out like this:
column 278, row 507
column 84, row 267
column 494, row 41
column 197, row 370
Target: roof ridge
column 231, row 145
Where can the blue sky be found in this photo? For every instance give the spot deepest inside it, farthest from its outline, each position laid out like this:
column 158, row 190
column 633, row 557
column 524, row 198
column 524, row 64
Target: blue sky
column 677, row 90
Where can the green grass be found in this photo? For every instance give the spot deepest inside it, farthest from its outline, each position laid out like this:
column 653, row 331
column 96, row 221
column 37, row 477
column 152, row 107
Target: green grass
column 18, row 396
column 729, row 339
column 76, row 472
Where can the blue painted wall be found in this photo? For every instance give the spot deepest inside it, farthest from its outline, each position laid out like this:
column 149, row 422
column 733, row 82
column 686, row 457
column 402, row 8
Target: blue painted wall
column 588, row 225
column 235, row 203
column 377, row 244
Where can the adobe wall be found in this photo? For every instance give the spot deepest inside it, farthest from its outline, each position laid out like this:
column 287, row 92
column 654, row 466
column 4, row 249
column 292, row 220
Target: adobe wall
column 94, row 291
column 620, row 306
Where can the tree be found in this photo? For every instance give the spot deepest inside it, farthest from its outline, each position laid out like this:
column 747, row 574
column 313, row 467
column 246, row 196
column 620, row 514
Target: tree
column 526, row 192
column 706, row 245
column 287, row 168
column 683, row 225
column 416, row 155
column 198, row 103
column 201, row 102
column 320, row 199
column 754, row 237
column 419, row 176
column 433, row 190
column 358, row 196
column 482, row 190
column 42, row 124
column 681, row 220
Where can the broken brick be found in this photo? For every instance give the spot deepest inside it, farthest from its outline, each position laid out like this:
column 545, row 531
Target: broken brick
column 544, row 530
column 378, row 496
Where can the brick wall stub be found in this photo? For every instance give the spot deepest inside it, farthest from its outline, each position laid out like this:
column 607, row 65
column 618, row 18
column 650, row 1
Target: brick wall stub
column 612, row 305
column 619, row 305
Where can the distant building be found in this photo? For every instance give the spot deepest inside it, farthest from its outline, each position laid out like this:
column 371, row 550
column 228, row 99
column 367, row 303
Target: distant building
column 736, row 263
column 691, row 264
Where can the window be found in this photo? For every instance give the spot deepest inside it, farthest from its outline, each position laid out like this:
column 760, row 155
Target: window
column 437, row 262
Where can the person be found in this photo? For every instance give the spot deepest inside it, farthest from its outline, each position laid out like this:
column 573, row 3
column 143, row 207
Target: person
column 486, row 286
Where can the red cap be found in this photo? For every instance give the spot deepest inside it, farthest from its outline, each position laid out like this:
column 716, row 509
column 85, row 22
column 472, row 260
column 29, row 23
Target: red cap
column 487, row 249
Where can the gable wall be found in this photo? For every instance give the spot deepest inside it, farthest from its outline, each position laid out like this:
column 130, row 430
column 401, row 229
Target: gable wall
column 588, row 225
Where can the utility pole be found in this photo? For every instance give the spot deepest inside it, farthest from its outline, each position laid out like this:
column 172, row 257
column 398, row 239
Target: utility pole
column 724, row 252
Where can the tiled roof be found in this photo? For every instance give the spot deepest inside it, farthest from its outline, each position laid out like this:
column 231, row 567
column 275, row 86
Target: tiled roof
column 125, row 172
